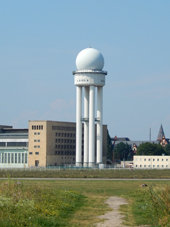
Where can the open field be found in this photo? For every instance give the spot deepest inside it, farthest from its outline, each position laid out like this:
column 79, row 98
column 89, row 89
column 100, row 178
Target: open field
column 89, row 203
column 86, row 173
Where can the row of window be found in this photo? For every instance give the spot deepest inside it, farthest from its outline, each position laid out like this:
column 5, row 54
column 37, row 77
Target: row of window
column 14, row 158
column 153, row 159
column 36, row 133
column 65, row 146
column 58, row 134
column 37, row 127
column 68, row 158
column 13, row 144
column 35, row 146
column 37, row 153
column 65, row 152
column 64, row 141
column 36, row 140
column 153, row 166
column 63, row 128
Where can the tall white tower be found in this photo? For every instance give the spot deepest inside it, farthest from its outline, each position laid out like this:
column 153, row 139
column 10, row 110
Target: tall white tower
column 89, row 74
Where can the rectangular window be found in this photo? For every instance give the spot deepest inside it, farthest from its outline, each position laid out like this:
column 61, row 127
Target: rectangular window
column 56, row 134
column 162, row 160
column 149, row 159
column 38, row 140
column 158, row 159
column 144, row 159
column 35, row 146
column 35, row 140
column 22, row 157
column 25, row 158
column 153, row 159
column 12, row 158
column 35, row 133
column 157, row 165
column 153, row 166
column 37, row 153
column 56, row 152
column 38, row 133
column 2, row 157
column 19, row 157
column 9, row 157
column 140, row 165
column 149, row 166
column 145, row 166
column 15, row 157
column 166, row 160
column 5, row 157
column 38, row 146
column 2, row 144
column 162, row 166
column 30, row 152
column 166, row 166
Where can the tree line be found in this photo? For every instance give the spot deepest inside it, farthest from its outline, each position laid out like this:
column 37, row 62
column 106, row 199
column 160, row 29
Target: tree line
column 123, row 151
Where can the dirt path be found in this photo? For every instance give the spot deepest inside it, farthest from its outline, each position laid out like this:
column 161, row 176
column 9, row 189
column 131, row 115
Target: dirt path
column 113, row 218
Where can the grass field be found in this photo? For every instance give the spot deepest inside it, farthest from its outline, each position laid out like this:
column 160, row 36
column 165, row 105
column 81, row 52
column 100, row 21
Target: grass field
column 78, row 203
column 87, row 173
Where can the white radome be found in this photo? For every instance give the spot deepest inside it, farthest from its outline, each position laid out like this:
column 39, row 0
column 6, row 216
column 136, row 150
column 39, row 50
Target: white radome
column 89, row 59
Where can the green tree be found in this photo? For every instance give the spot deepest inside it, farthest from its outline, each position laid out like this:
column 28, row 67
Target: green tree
column 150, row 149
column 122, row 151
column 167, row 149
column 109, row 147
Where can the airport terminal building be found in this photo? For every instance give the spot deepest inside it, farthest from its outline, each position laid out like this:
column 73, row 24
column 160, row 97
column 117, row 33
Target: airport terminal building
column 44, row 143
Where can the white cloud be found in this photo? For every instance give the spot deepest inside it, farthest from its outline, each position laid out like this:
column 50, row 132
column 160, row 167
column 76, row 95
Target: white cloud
column 23, row 118
column 60, row 110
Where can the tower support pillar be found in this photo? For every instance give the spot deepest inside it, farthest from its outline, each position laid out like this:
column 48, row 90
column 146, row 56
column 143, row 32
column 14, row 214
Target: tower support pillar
column 91, row 126
column 99, row 124
column 79, row 126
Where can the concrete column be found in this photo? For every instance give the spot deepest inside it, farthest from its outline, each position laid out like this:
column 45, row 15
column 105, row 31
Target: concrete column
column 91, row 126
column 99, row 124
column 79, row 126
column 86, row 126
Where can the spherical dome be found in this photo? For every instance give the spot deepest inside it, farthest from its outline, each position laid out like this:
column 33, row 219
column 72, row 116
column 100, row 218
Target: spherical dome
column 90, row 58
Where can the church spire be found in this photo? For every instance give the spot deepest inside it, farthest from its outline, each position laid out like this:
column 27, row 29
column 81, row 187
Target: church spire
column 161, row 133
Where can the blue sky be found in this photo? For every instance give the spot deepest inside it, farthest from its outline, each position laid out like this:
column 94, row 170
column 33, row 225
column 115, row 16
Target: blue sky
column 39, row 42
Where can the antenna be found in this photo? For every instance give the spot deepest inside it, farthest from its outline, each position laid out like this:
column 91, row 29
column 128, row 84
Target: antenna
column 150, row 134
column 90, row 44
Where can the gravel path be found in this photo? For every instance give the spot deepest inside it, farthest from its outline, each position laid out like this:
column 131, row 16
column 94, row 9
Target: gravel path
column 113, row 218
